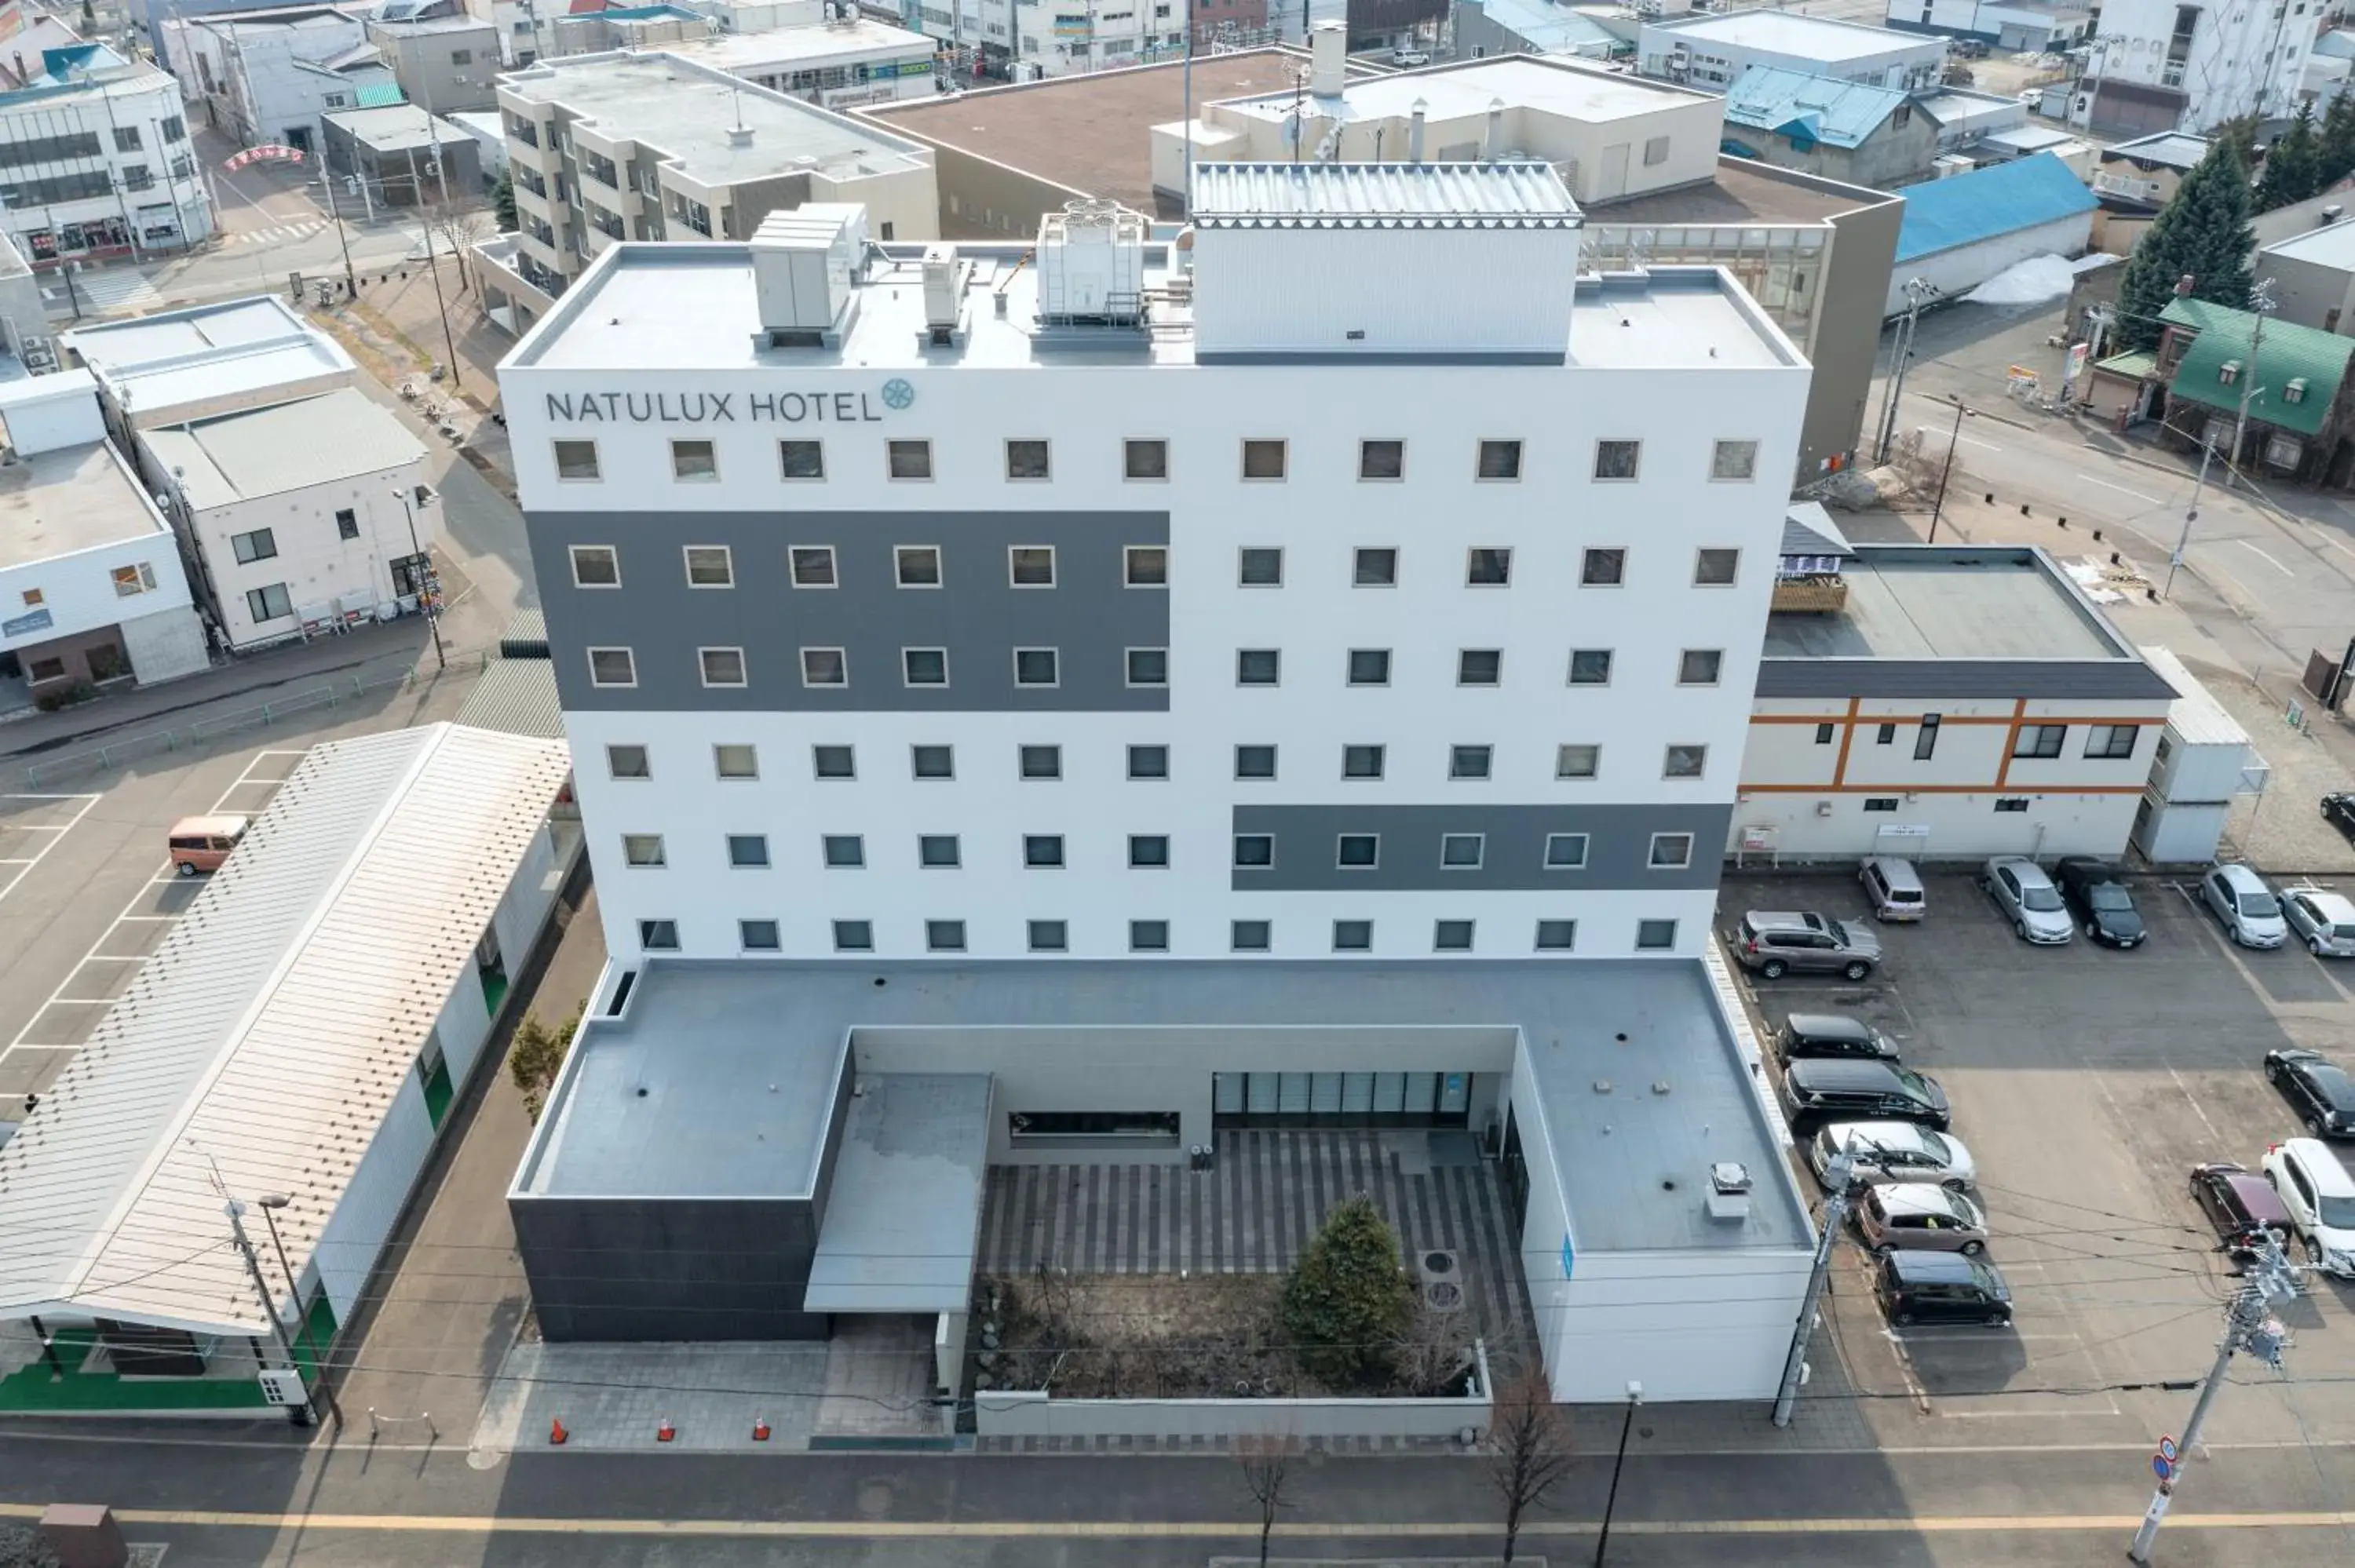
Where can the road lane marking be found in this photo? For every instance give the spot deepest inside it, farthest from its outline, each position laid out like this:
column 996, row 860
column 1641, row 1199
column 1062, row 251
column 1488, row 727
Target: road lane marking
column 2266, row 558
column 2122, row 490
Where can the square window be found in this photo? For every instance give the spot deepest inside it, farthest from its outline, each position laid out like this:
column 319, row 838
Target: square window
column 834, row 762
column 1145, row 565
column 1462, row 851
column 1374, row 566
column 593, row 566
column 1049, row 936
column 1148, row 762
column 844, row 852
column 1603, row 569
column 1574, row 760
column 1249, row 935
column 1357, row 852
column 2012, row 803
column 1148, row 936
column 1671, row 851
column 1031, row 565
column 1479, row 666
column 1361, row 762
column 612, row 667
column 801, row 460
column 1880, row 802
column 1034, row 667
column 1655, row 935
column 1257, row 666
column 1041, row 761
column 658, row 935
column 824, row 667
column 758, row 936
column 643, row 850
column 730, row 761
column 1353, row 936
column 347, row 524
column 1557, row 936
column 1451, row 937
column 1499, row 460
column 1565, row 851
column 748, row 852
column 945, row 936
column 1615, row 460
column 1149, row 666
column 1254, row 850
column 854, row 936
column 1042, row 852
column 909, row 459
column 932, row 761
column 1263, row 460
column 1824, row 733
column 1145, row 458
column 1470, row 761
column 627, row 762
column 1369, row 666
column 924, row 666
column 1254, row 761
column 1700, row 666
column 937, row 851
column 1716, row 568
column 812, row 566
column 1260, row 566
column 1589, row 667
column 577, row 461
column 1148, row 851
column 1488, row 567
column 1026, row 459
column 711, row 566
column 917, row 565
column 1382, row 460
column 694, row 463
column 1733, row 461
column 2111, row 741
column 721, row 666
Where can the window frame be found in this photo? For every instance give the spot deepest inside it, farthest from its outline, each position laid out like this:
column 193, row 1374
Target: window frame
column 1472, row 558
column 1509, row 445
column 573, row 554
column 596, row 474
column 1567, row 928
column 1282, row 448
column 678, row 445
column 908, row 674
column 734, row 839
column 785, row 474
column 1669, row 756
column 658, row 934
column 1236, row 861
column 1053, row 751
column 1033, row 930
column 1145, row 748
column 1014, row 554
column 1129, row 557
column 628, row 654
column 916, row 753
column 1366, row 446
column 1378, row 750
column 1479, row 852
column 1442, row 926
column 1561, row 758
column 841, row 665
column 1349, row 666
column 1595, row 558
column 1609, row 661
column 945, row 937
column 645, row 852
column 1645, row 929
column 1495, row 681
column 1458, row 750
column 1055, row 663
column 1926, row 736
column 1046, row 460
column 1051, row 845
column 1584, row 841
column 852, row 936
column 897, row 447
column 1238, row 930
column 818, row 751
column 1652, row 861
column 1341, row 842
column 1138, row 843
column 925, row 844
column 1276, row 665
column 1142, row 939
column 727, row 564
column 1716, row 669
column 1358, row 553
column 1716, row 449
column 703, row 668
column 1128, row 670
column 744, row 943
column 854, row 846
column 794, row 554
column 1700, row 555
column 899, row 570
column 1256, row 746
column 2110, row 733
column 719, row 768
column 1608, row 443
column 1128, row 449
column 646, row 769
column 1243, row 553
column 2030, row 744
column 1354, row 926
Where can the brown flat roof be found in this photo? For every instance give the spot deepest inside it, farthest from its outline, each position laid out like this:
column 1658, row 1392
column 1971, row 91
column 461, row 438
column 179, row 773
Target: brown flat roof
column 1092, row 132
column 1743, row 192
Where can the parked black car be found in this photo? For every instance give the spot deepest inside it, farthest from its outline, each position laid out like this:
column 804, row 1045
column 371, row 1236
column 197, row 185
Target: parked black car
column 2339, row 811
column 2103, row 908
column 1820, row 1090
column 2317, row 1087
column 1941, row 1287
column 1831, row 1035
column 2242, row 1205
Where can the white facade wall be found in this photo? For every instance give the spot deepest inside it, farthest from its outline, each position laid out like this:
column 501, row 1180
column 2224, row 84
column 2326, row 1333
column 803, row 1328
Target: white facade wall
column 354, row 1236
column 2244, row 58
column 267, row 72
column 316, row 565
column 155, row 198
column 1959, row 271
column 1685, row 1325
column 1698, row 59
column 2007, row 26
column 1053, row 41
column 80, row 592
column 517, row 921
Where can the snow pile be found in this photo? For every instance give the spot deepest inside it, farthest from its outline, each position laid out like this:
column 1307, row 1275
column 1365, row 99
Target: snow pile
column 2034, row 281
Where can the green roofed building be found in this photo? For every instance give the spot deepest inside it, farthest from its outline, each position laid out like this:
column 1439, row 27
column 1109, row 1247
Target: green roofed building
column 2292, row 380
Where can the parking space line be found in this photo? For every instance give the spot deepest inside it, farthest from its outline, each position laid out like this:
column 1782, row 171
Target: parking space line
column 2194, row 1103
column 56, row 833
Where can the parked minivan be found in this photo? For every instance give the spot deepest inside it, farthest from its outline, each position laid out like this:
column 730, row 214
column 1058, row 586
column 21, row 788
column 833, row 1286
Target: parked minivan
column 1920, row 1214
column 1821, row 1089
column 1941, row 1287
column 1894, row 888
column 202, row 843
column 1831, row 1035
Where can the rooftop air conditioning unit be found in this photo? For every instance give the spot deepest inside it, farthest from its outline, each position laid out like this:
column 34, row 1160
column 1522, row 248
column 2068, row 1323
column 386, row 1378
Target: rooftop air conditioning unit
column 1729, row 1190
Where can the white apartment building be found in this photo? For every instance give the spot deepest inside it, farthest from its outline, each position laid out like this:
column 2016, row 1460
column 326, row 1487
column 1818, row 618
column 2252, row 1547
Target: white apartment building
column 1057, row 37
column 268, row 76
column 2157, row 65
column 95, row 160
column 1238, row 663
column 838, row 63
column 1711, row 51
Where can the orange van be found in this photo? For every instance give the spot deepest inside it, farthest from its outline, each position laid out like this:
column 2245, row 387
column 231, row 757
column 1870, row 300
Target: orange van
column 201, row 843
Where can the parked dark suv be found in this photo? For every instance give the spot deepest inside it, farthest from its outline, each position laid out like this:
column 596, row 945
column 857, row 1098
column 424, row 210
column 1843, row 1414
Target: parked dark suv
column 1831, row 1035
column 1941, row 1287
column 1820, row 1090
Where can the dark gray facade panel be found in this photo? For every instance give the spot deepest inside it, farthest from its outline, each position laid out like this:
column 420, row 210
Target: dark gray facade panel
column 2110, row 680
column 1089, row 617
column 668, row 1268
column 1618, row 847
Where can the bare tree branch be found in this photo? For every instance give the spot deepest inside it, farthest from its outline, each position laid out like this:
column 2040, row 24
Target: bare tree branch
column 1266, row 1465
column 1528, row 1448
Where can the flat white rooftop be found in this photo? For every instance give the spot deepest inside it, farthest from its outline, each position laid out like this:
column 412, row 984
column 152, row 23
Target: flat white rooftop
column 71, row 499
column 1546, row 84
column 2333, row 245
column 238, row 349
column 397, row 128
column 791, row 48
column 1791, row 33
column 291, row 446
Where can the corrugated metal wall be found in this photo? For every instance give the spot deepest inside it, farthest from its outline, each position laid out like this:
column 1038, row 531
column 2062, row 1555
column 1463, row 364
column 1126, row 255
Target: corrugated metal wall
column 355, row 1235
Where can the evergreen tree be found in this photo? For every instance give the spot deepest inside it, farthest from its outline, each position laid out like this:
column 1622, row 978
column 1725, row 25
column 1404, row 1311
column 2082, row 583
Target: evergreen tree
column 503, row 204
column 1347, row 1301
column 2336, row 151
column 2292, row 169
column 2202, row 234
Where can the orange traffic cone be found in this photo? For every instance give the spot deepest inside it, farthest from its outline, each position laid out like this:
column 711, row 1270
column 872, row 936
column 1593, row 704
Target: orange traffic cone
column 760, row 1429
column 665, row 1432
column 556, row 1433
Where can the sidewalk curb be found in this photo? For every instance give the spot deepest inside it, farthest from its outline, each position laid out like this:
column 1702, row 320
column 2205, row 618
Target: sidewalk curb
column 59, row 743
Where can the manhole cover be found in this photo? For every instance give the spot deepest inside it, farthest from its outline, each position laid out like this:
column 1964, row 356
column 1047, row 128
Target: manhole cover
column 1438, row 1262
column 1440, row 1292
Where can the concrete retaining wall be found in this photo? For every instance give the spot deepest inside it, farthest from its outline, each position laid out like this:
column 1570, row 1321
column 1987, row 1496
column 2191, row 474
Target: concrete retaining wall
column 1007, row 1413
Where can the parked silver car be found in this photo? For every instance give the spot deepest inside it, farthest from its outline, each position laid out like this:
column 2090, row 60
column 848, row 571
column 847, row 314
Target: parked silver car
column 2324, row 920
column 1893, row 1152
column 1776, row 942
column 2029, row 900
column 2238, row 897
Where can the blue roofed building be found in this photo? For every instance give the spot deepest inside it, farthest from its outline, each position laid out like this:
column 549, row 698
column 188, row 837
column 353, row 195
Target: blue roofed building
column 1960, row 231
column 1486, row 29
column 1857, row 131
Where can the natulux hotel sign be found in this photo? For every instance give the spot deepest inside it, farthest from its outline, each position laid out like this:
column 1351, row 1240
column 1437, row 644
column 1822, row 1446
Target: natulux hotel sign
column 731, row 408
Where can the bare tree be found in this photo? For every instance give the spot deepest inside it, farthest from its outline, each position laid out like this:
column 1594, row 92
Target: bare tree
column 1266, row 1464
column 459, row 227
column 1528, row 1448
column 1432, row 1354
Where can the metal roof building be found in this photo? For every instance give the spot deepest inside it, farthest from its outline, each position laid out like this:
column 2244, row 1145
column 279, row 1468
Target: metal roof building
column 300, row 1031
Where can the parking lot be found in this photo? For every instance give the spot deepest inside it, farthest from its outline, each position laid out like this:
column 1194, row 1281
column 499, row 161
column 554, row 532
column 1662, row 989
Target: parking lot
column 2086, row 1082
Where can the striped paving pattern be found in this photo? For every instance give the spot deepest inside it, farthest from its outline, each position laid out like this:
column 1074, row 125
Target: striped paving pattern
column 1256, row 1213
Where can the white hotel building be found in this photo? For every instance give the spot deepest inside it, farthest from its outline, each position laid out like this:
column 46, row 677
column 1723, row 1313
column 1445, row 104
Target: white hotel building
column 1271, row 624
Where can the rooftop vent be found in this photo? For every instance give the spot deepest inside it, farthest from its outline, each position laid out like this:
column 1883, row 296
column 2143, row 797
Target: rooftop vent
column 739, row 135
column 945, row 278
column 1729, row 1190
column 1328, row 60
column 804, row 270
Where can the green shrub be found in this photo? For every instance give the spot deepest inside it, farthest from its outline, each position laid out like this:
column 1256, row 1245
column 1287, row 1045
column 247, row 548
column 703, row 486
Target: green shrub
column 1347, row 1301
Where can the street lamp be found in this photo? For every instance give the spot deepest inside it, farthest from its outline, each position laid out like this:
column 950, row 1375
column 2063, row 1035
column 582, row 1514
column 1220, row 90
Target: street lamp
column 1953, row 441
column 1634, row 1398
column 270, row 1203
column 427, row 601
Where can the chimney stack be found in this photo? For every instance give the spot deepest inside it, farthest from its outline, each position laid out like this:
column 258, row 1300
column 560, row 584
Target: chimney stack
column 1328, row 60
column 1414, row 132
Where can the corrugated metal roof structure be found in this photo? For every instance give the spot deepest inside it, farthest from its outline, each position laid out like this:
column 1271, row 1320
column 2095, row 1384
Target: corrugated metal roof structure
column 525, row 636
column 516, row 696
column 2197, row 717
column 265, row 1039
column 1963, row 209
column 1808, row 109
column 2297, row 371
column 1382, row 196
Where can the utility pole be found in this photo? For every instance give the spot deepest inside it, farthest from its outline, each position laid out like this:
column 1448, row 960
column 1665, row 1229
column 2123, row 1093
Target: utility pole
column 270, row 1202
column 1835, row 1211
column 1954, row 441
column 2261, row 303
column 1918, row 292
column 300, row 1415
column 2249, row 1325
column 2190, row 513
column 429, row 595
